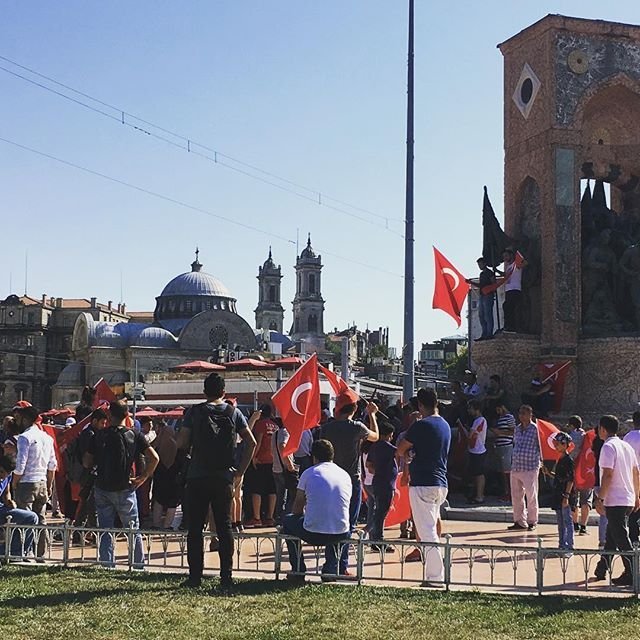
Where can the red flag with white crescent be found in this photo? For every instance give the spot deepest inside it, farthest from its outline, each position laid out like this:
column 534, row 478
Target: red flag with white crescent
column 298, row 402
column 555, row 373
column 546, row 433
column 400, row 509
column 585, row 470
column 451, row 289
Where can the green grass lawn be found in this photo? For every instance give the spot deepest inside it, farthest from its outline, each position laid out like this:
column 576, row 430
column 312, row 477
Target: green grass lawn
column 88, row 604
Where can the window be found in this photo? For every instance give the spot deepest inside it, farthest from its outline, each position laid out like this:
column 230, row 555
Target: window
column 273, row 326
column 312, row 283
column 30, row 317
column 188, row 306
column 272, row 293
column 313, row 323
column 22, row 364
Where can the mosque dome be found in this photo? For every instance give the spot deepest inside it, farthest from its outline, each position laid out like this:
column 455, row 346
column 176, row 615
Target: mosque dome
column 189, row 294
column 156, row 337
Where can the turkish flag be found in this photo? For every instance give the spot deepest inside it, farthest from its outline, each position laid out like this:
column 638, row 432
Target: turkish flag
column 400, row 506
column 298, row 402
column 450, row 288
column 546, row 434
column 104, row 393
column 338, row 385
column 556, row 374
column 584, row 473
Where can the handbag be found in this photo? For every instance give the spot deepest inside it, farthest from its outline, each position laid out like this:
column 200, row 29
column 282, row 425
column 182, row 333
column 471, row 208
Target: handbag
column 290, row 477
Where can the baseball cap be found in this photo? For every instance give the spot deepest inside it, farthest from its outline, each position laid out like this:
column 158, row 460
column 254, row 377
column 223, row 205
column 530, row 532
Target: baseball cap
column 562, row 437
column 69, row 422
column 345, row 398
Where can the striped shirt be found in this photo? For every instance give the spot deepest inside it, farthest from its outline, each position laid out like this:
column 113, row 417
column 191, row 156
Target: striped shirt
column 506, row 425
column 526, row 448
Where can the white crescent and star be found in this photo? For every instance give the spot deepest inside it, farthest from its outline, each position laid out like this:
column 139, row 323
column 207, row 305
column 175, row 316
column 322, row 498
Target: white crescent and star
column 299, row 390
column 450, row 272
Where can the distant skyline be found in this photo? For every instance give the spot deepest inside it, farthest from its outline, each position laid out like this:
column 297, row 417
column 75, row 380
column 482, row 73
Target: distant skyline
column 311, row 92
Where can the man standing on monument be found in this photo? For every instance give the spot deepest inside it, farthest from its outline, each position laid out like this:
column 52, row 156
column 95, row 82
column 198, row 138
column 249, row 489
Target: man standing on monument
column 512, row 290
column 486, row 299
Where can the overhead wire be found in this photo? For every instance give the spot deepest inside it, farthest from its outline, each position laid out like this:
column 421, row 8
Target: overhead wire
column 187, row 144
column 181, row 203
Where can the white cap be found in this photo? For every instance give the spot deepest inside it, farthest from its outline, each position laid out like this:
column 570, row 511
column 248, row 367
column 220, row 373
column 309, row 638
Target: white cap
column 69, row 422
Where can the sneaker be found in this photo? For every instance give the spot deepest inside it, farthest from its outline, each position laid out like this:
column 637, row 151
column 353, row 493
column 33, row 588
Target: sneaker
column 191, row 583
column 253, row 523
column 386, row 548
column 576, row 527
column 225, row 587
column 623, row 580
column 327, row 577
column 214, row 545
column 583, row 530
column 532, row 527
column 404, row 535
column 414, row 556
column 516, row 526
column 295, row 579
column 269, row 523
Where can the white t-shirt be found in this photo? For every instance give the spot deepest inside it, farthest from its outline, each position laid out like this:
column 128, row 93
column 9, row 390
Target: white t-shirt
column 633, row 438
column 515, row 281
column 368, row 476
column 619, row 456
column 479, row 428
column 328, row 491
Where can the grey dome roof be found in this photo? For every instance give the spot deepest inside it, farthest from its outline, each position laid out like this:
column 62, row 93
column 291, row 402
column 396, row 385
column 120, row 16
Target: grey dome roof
column 156, row 337
column 196, row 283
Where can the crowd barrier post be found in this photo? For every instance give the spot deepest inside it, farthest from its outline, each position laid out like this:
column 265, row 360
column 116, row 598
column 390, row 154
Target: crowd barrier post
column 277, row 556
column 7, row 539
column 360, row 547
column 65, row 543
column 447, row 561
column 635, row 562
column 539, row 567
column 131, row 544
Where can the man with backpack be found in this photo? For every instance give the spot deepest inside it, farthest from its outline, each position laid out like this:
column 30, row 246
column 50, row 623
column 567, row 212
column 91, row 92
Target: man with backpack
column 210, row 432
column 114, row 451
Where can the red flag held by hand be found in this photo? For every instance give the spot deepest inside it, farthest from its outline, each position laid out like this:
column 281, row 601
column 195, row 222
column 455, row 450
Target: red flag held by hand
column 546, row 434
column 451, row 289
column 298, row 402
column 585, row 470
column 400, row 506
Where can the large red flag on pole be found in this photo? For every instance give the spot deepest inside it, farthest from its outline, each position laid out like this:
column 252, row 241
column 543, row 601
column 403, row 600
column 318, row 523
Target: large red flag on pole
column 338, row 385
column 451, row 289
column 298, row 402
column 547, row 433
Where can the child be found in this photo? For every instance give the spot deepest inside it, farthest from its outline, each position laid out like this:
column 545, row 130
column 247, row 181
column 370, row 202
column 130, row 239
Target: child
column 564, row 496
column 382, row 463
column 477, row 450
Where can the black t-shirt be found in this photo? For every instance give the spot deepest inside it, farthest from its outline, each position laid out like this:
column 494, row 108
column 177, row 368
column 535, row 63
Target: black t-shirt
column 486, row 278
column 563, row 475
column 106, row 448
column 383, row 457
column 346, row 436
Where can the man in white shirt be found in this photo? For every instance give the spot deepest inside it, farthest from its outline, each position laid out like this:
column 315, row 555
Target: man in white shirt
column 320, row 513
column 512, row 290
column 35, row 467
column 476, row 443
column 620, row 493
column 633, row 438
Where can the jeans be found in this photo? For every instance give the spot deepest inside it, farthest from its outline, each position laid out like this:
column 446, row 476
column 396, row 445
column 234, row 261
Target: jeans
column 284, row 498
column 425, row 510
column 21, row 541
column 125, row 506
column 293, row 525
column 371, row 501
column 634, row 526
column 382, row 504
column 354, row 510
column 565, row 528
column 485, row 313
column 201, row 493
column 617, row 538
column 511, row 310
column 32, row 496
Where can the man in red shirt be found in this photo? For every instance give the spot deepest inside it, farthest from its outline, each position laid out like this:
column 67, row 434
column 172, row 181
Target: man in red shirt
column 260, row 475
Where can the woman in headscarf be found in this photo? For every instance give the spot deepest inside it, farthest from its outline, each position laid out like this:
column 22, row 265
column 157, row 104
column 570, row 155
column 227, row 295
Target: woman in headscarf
column 166, row 488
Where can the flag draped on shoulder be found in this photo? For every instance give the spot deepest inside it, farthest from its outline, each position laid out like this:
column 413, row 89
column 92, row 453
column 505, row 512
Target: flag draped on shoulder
column 298, row 402
column 555, row 373
column 546, row 433
column 585, row 470
column 451, row 289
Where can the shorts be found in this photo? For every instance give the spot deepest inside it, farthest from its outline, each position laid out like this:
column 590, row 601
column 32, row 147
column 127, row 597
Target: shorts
column 477, row 464
column 503, row 457
column 585, row 498
column 259, row 480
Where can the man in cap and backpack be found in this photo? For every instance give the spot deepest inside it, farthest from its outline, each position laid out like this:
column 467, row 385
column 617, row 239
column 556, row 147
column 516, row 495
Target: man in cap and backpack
column 210, row 432
column 114, row 451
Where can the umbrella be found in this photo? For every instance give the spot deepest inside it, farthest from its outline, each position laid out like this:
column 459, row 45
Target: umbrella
column 291, row 361
column 176, row 412
column 198, row 366
column 248, row 364
column 147, row 412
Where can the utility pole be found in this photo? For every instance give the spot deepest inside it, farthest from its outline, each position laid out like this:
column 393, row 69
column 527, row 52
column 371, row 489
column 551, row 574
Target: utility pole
column 408, row 383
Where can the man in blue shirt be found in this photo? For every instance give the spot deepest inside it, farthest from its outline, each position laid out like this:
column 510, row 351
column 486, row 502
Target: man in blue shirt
column 430, row 439
column 22, row 540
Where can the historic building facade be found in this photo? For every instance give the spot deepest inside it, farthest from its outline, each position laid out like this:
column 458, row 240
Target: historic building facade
column 269, row 312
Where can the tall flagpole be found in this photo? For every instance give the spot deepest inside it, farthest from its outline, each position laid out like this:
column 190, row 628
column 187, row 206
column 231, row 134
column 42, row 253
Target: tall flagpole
column 408, row 385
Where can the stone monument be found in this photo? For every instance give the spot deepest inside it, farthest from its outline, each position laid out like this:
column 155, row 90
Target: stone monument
column 572, row 134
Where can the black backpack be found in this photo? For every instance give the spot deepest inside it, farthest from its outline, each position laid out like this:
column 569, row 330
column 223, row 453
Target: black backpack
column 72, row 457
column 116, row 453
column 213, row 436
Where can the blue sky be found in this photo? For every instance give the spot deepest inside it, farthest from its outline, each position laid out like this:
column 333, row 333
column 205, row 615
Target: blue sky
column 313, row 91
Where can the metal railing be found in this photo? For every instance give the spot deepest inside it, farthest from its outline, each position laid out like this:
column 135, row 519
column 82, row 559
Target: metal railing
column 532, row 569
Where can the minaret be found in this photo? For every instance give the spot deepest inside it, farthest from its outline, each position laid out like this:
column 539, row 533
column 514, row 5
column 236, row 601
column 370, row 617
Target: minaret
column 308, row 305
column 269, row 312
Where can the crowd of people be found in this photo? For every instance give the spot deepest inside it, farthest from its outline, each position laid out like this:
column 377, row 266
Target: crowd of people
column 228, row 472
